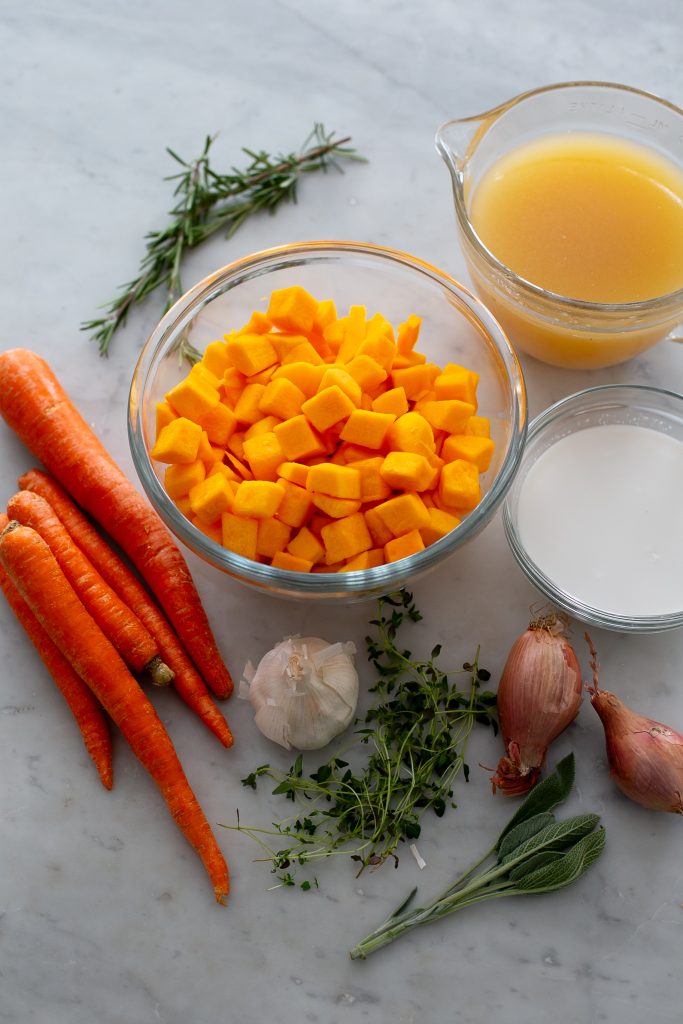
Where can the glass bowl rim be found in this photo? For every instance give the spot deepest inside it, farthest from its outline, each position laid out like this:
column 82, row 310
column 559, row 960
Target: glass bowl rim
column 660, row 303
column 596, row 397
column 384, row 578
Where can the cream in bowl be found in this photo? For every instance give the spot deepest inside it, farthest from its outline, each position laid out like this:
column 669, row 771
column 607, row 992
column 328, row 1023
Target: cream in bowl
column 594, row 517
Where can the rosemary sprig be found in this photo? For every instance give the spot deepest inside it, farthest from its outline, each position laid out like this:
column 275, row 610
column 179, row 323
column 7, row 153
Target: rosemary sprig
column 533, row 854
column 417, row 731
column 208, row 202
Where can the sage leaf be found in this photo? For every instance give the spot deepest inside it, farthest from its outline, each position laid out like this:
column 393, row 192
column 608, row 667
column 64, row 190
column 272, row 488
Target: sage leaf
column 568, row 867
column 537, row 860
column 525, row 830
column 555, row 837
column 553, row 790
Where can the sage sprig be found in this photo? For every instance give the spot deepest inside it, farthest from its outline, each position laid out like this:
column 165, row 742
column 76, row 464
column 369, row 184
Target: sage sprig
column 534, row 853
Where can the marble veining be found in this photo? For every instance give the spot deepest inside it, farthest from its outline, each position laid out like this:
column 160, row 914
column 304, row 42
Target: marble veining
column 105, row 912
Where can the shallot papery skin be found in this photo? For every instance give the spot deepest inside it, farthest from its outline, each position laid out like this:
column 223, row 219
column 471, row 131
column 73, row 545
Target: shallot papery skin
column 645, row 757
column 539, row 695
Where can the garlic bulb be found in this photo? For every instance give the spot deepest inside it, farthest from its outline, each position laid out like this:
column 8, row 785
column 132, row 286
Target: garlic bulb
column 304, row 692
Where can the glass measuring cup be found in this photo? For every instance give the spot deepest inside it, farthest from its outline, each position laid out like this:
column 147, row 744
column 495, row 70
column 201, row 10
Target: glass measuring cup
column 554, row 328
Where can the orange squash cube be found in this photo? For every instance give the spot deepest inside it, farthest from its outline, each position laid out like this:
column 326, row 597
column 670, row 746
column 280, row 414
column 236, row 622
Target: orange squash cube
column 296, row 505
column 179, row 479
column 335, row 508
column 247, row 408
column 342, row 378
column 329, row 406
column 366, row 560
column 219, row 423
column 306, row 376
column 372, row 486
column 403, row 513
column 298, row 439
column 215, row 358
column 193, row 397
column 411, row 433
column 282, row 398
column 478, row 426
column 394, row 401
column 408, row 333
column 306, row 545
column 272, row 536
column 295, row 472
column 366, row 370
column 337, row 481
column 285, row 560
column 258, row 499
column 478, row 450
column 164, row 415
column 459, row 485
column 379, row 531
column 404, row 546
column 264, row 455
column 367, row 428
column 440, row 523
column 239, row 534
column 251, row 353
column 457, row 382
column 415, row 379
column 448, row 414
column 210, row 498
column 345, row 538
column 211, row 530
column 178, row 442
column 407, row 471
column 292, row 309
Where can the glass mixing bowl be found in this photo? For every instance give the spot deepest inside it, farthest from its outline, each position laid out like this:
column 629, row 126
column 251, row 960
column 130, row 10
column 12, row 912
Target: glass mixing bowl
column 456, row 327
column 630, row 404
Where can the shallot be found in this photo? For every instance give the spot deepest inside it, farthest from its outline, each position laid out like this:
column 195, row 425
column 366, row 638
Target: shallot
column 539, row 695
column 645, row 757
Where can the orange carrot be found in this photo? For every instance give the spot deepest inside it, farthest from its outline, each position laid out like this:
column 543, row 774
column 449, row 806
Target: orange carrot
column 35, row 405
column 36, row 573
column 84, row 707
column 134, row 643
column 188, row 683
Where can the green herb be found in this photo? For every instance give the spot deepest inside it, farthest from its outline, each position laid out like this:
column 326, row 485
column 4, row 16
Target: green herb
column 534, row 853
column 209, row 202
column 417, row 732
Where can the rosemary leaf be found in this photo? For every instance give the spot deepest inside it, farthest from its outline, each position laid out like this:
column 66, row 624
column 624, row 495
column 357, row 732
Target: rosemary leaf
column 207, row 202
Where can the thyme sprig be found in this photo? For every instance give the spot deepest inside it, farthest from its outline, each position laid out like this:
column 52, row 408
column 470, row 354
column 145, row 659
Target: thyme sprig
column 417, row 732
column 207, row 202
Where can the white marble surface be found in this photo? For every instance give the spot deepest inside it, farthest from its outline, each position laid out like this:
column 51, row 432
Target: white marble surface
column 105, row 913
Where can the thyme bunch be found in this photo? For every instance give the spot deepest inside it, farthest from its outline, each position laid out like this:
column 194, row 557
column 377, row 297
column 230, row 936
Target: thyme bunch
column 416, row 732
column 207, row 202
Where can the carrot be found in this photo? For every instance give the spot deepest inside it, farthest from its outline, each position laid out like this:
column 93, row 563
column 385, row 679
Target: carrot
column 35, row 405
column 84, row 707
column 187, row 682
column 36, row 573
column 134, row 643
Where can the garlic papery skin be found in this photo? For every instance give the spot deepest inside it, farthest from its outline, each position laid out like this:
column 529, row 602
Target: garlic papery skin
column 304, row 692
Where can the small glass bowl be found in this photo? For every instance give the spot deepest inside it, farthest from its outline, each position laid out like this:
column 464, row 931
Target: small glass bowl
column 632, row 404
column 456, row 327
